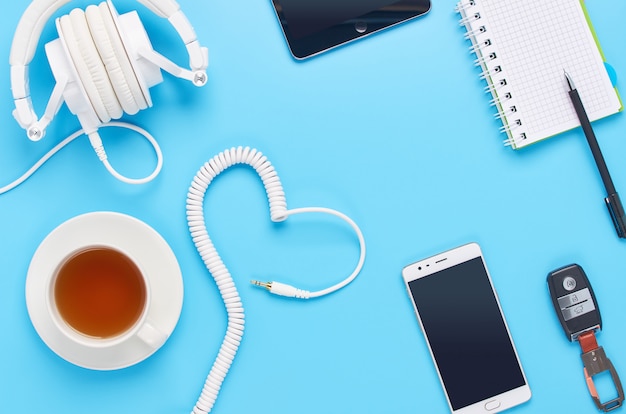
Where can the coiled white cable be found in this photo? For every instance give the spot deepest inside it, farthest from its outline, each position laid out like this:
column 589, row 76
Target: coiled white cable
column 215, row 265
column 96, row 142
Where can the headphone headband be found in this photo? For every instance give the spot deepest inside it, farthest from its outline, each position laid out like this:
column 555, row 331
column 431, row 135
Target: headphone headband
column 38, row 13
column 28, row 33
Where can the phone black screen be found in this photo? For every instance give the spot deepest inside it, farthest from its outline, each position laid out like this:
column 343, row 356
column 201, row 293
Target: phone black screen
column 467, row 334
column 312, row 26
column 306, row 16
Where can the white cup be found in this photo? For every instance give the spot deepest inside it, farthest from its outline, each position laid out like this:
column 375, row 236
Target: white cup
column 57, row 291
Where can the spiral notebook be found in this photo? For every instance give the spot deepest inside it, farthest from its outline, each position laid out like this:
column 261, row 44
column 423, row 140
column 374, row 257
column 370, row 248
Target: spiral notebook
column 523, row 48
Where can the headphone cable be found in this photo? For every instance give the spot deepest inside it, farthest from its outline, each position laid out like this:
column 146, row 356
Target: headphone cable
column 96, row 143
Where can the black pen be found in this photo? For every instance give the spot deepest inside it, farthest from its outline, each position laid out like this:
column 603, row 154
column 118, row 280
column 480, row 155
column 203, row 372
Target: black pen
column 612, row 200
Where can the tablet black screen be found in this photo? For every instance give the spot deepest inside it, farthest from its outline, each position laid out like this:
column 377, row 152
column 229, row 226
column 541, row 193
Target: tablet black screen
column 312, row 26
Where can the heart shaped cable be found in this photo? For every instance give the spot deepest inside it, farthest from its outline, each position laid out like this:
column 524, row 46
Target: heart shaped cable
column 221, row 275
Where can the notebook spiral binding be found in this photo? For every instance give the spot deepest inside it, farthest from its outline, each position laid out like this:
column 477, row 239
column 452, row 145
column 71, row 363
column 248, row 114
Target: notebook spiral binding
column 485, row 49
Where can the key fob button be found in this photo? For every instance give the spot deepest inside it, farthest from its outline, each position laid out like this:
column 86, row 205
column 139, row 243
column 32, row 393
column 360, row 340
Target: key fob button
column 569, row 283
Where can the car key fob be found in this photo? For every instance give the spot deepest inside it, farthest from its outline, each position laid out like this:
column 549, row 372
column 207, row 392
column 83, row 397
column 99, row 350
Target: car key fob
column 577, row 309
column 574, row 301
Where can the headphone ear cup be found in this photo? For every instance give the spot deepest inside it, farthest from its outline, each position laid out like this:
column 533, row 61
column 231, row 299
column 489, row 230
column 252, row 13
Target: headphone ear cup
column 69, row 87
column 90, row 68
column 137, row 46
column 115, row 58
column 111, row 64
column 107, row 11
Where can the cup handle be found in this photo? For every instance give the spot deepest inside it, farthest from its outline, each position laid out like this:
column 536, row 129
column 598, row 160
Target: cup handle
column 152, row 336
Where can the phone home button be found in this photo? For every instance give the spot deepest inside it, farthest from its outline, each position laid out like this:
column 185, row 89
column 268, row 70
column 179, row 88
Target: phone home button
column 360, row 26
column 492, row 405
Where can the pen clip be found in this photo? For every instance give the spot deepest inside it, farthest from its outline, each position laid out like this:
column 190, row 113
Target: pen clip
column 616, row 210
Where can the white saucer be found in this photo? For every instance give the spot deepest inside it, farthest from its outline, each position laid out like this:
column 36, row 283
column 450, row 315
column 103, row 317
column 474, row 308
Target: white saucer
column 138, row 240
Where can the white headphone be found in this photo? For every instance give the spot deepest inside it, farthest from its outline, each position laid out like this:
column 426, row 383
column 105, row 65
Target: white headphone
column 103, row 63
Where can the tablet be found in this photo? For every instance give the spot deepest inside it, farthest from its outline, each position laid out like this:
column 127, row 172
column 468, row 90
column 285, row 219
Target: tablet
column 314, row 26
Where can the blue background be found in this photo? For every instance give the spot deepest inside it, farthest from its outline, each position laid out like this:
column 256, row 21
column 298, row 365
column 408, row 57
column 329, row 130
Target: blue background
column 393, row 130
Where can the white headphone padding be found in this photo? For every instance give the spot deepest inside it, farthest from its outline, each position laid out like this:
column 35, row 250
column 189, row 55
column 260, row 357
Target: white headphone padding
column 96, row 69
column 29, row 30
column 103, row 43
column 122, row 55
column 69, row 38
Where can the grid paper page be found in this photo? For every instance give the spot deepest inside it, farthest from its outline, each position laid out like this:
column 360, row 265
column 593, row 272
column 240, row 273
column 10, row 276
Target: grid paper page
column 536, row 41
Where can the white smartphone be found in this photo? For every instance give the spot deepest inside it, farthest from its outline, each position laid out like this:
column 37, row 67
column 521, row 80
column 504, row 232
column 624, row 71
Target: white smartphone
column 467, row 335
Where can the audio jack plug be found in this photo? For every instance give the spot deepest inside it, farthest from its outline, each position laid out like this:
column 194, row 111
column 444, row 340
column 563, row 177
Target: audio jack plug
column 283, row 289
